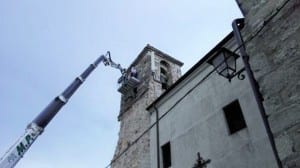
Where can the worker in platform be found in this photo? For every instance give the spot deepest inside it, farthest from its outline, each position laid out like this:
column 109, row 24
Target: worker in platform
column 133, row 72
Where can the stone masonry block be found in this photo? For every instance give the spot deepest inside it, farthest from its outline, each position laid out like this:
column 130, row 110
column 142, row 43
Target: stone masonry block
column 282, row 120
column 293, row 161
column 278, row 80
column 272, row 103
column 294, row 133
column 284, row 146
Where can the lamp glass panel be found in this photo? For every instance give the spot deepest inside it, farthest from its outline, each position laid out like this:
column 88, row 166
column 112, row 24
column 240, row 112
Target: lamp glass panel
column 219, row 62
column 231, row 62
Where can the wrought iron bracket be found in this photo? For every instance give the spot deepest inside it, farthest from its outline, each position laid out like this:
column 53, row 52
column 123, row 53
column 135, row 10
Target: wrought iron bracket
column 239, row 75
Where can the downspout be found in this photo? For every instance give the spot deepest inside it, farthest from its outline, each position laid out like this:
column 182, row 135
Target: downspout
column 157, row 137
column 240, row 6
column 254, row 85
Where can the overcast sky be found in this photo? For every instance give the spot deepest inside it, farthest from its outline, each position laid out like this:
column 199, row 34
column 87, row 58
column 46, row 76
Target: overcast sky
column 44, row 45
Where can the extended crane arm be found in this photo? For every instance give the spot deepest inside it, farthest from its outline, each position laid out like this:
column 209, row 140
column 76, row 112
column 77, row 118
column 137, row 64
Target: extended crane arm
column 110, row 62
column 36, row 127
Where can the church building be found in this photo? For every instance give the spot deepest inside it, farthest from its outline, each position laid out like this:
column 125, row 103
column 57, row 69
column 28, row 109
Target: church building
column 237, row 107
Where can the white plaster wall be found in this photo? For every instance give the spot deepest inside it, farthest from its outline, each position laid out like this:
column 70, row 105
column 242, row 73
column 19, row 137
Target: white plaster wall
column 197, row 124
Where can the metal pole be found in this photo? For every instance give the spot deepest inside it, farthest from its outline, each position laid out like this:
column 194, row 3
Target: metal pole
column 157, row 137
column 254, row 85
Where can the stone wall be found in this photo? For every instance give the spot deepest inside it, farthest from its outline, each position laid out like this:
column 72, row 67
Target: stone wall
column 134, row 120
column 133, row 123
column 275, row 60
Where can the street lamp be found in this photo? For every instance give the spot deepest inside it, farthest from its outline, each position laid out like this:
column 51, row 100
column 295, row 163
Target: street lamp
column 224, row 61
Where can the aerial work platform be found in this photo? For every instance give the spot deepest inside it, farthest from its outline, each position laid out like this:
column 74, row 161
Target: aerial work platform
column 128, row 84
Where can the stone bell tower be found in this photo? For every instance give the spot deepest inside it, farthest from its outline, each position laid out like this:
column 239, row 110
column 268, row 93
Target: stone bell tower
column 156, row 72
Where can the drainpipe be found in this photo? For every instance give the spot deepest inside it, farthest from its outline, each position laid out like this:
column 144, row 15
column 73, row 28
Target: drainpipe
column 157, row 137
column 254, row 85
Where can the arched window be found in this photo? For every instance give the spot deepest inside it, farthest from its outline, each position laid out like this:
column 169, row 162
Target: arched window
column 165, row 77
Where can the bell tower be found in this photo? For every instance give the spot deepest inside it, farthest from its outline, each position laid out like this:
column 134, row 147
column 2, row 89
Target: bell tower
column 150, row 74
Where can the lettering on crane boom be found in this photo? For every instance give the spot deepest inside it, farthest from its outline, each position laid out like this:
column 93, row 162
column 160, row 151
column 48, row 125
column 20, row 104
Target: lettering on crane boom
column 21, row 148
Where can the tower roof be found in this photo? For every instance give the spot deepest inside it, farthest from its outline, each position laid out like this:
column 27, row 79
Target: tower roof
column 158, row 52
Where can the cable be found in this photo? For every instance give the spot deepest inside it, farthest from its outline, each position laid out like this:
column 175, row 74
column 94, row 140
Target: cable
column 265, row 23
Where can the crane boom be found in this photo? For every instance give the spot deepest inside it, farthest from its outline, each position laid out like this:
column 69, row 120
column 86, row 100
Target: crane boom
column 37, row 126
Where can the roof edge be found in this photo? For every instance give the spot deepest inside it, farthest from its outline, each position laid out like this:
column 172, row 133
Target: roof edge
column 158, row 52
column 162, row 54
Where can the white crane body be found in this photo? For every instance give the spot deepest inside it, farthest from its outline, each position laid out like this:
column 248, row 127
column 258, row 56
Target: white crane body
column 16, row 152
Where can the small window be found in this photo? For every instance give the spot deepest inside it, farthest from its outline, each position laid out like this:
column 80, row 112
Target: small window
column 234, row 117
column 166, row 155
column 165, row 77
